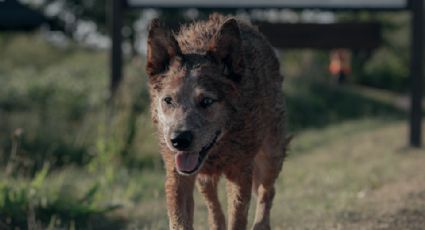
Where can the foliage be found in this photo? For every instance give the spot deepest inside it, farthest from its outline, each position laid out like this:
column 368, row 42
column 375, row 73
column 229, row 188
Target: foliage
column 35, row 202
column 51, row 103
column 317, row 104
column 388, row 66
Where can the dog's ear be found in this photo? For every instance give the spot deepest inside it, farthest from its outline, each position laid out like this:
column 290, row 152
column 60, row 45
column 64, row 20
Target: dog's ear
column 225, row 46
column 162, row 48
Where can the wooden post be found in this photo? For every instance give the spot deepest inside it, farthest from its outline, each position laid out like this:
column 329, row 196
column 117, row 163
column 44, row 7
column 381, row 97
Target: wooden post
column 116, row 51
column 417, row 70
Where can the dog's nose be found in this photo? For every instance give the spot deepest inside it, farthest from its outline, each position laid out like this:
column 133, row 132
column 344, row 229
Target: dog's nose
column 182, row 140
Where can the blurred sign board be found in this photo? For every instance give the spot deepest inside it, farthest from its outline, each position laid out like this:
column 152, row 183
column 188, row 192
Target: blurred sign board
column 291, row 4
column 352, row 35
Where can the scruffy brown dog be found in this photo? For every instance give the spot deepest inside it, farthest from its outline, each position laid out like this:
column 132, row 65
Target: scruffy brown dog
column 217, row 103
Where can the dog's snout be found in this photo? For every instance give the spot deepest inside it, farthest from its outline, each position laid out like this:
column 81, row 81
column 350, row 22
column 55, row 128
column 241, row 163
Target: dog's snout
column 182, row 140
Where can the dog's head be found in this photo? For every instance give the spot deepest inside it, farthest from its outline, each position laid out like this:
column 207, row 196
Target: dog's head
column 193, row 91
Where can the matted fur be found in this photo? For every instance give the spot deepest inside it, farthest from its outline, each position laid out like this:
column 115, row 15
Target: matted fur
column 242, row 132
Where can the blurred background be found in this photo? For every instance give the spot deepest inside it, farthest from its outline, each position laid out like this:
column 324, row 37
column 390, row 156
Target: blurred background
column 78, row 150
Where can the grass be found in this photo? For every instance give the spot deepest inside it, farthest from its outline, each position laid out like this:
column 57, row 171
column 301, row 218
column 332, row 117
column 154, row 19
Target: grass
column 71, row 162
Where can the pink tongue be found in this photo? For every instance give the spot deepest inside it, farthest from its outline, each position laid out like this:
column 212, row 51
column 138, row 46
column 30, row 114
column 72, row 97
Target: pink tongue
column 186, row 162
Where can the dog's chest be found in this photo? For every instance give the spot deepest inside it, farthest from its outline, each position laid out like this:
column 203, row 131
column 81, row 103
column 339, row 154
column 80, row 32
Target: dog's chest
column 227, row 155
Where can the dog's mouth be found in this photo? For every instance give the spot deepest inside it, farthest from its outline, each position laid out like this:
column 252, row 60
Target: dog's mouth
column 189, row 163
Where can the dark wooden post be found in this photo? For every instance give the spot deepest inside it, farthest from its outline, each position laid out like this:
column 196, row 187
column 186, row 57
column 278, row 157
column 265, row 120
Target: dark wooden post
column 417, row 70
column 116, row 51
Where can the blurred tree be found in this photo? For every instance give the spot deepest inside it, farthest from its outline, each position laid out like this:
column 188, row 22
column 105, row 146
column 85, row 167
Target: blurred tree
column 73, row 11
column 87, row 16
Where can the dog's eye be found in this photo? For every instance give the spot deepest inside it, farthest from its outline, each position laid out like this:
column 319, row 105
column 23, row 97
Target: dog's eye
column 206, row 102
column 168, row 100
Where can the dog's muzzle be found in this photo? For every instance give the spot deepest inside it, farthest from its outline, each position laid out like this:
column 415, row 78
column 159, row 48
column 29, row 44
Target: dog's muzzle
column 189, row 163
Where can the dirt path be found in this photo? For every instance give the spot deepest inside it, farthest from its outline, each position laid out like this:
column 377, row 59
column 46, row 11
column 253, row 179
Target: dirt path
column 400, row 205
column 397, row 205
column 367, row 179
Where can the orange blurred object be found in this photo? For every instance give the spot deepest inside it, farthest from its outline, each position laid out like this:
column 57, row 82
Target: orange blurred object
column 340, row 62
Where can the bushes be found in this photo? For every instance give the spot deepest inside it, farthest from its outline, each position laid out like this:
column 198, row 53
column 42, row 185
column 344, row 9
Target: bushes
column 33, row 203
column 54, row 102
column 317, row 104
column 386, row 70
column 28, row 51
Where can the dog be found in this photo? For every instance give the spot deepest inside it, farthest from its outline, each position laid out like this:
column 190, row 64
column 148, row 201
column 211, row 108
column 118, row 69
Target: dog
column 218, row 106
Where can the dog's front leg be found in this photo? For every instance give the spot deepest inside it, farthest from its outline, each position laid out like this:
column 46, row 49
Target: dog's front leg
column 207, row 186
column 239, row 180
column 179, row 192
